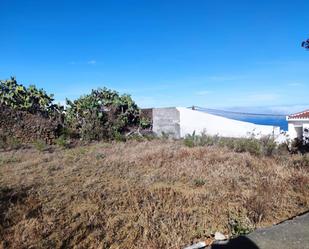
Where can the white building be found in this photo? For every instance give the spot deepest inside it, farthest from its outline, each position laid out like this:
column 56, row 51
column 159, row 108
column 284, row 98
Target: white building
column 181, row 121
column 298, row 125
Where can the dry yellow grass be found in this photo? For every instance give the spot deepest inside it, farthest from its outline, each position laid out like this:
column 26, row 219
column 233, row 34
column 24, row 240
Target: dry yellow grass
column 156, row 194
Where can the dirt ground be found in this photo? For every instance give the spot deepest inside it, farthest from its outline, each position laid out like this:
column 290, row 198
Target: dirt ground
column 153, row 194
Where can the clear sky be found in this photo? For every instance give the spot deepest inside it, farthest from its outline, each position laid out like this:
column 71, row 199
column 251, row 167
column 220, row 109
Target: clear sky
column 210, row 53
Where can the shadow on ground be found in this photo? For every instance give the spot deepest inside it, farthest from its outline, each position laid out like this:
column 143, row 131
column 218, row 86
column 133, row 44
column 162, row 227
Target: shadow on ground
column 240, row 242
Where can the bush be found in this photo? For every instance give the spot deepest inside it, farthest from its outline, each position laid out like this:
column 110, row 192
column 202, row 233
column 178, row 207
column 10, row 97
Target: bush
column 190, row 140
column 269, row 145
column 29, row 99
column 200, row 140
column 240, row 226
column 250, row 145
column 103, row 114
column 144, row 123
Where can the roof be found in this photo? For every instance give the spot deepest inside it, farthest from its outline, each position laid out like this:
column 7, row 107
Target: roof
column 300, row 115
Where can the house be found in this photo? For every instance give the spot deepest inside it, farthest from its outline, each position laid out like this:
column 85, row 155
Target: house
column 298, row 125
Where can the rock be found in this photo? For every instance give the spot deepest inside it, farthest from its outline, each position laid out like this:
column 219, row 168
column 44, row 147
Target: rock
column 198, row 245
column 219, row 236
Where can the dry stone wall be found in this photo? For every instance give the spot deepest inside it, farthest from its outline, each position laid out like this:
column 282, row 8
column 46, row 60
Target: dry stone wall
column 27, row 127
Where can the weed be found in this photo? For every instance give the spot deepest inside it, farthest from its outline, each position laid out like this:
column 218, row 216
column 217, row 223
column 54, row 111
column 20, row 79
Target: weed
column 62, row 142
column 190, row 140
column 165, row 135
column 12, row 143
column 240, row 226
column 9, row 160
column 40, row 145
column 99, row 156
column 198, row 182
column 301, row 162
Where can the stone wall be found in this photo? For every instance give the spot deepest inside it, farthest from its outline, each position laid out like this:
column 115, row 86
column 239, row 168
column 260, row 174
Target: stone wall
column 147, row 114
column 27, row 127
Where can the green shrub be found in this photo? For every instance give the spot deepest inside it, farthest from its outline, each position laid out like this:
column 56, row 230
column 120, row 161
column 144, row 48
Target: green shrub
column 200, row 140
column 102, row 114
column 250, row 145
column 28, row 99
column 144, row 123
column 263, row 146
column 208, row 140
column 190, row 140
column 240, row 226
column 269, row 145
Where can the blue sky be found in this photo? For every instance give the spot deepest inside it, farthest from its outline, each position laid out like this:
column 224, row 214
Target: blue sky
column 218, row 54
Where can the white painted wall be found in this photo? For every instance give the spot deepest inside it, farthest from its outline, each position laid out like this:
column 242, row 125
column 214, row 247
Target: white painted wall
column 295, row 128
column 192, row 120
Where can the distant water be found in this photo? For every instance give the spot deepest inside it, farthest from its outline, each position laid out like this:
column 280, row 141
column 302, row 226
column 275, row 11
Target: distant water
column 261, row 120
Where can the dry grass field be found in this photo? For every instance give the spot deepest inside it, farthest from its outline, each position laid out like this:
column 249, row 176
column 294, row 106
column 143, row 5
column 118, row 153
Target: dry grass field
column 153, row 194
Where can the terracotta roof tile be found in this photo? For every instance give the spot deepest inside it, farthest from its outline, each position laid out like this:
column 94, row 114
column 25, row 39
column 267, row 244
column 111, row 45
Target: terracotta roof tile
column 300, row 115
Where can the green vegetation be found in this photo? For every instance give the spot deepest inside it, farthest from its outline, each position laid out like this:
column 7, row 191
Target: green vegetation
column 103, row 114
column 28, row 99
column 263, row 146
column 240, row 226
column 40, row 145
column 62, row 142
column 198, row 182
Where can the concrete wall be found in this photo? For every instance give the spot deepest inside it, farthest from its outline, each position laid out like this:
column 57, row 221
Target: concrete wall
column 167, row 121
column 197, row 121
column 178, row 122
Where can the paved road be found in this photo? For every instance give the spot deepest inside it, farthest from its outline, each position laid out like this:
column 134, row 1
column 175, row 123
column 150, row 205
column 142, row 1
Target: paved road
column 291, row 234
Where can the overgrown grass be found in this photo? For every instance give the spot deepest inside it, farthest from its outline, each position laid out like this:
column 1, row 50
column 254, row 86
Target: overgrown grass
column 40, row 145
column 62, row 142
column 9, row 142
column 149, row 194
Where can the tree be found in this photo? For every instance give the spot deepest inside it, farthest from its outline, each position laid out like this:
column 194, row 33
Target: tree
column 305, row 44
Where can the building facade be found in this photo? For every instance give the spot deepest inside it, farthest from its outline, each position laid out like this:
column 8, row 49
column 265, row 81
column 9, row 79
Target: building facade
column 298, row 125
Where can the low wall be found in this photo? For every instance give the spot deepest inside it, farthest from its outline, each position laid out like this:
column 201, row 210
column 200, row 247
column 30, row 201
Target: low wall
column 27, row 127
